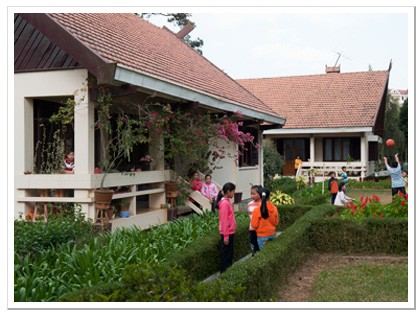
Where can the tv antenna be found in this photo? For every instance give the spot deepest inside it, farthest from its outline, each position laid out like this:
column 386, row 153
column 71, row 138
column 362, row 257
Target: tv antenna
column 339, row 55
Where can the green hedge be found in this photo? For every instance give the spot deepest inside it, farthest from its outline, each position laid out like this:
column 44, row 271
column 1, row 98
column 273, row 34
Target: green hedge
column 202, row 258
column 371, row 236
column 259, row 278
column 288, row 214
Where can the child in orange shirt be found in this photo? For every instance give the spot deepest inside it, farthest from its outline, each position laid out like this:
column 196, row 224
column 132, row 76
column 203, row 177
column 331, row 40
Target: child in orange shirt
column 333, row 187
column 264, row 220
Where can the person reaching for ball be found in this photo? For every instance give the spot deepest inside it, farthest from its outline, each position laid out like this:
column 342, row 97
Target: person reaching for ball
column 394, row 169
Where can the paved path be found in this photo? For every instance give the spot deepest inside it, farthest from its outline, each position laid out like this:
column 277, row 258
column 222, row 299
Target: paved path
column 245, row 258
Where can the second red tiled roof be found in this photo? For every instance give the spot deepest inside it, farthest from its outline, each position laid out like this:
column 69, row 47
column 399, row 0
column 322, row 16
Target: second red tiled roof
column 326, row 100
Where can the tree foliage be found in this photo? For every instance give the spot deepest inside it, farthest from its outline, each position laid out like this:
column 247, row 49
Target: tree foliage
column 180, row 20
column 404, row 119
column 273, row 161
column 393, row 131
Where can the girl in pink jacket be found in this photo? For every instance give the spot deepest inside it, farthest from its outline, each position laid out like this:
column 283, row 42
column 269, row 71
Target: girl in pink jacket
column 227, row 225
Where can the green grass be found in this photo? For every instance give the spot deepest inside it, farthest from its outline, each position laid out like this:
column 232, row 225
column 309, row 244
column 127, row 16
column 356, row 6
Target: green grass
column 362, row 283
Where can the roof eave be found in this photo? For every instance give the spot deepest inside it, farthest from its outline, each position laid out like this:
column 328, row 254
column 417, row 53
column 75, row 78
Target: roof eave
column 300, row 131
column 154, row 83
column 98, row 66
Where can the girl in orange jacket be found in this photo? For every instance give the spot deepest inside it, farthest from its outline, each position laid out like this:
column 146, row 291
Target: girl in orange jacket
column 264, row 220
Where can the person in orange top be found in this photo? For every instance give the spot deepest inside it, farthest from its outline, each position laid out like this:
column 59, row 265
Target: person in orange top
column 265, row 218
column 298, row 161
column 333, row 187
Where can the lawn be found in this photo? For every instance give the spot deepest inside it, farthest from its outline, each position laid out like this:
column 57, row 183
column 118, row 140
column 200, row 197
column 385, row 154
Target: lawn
column 362, row 283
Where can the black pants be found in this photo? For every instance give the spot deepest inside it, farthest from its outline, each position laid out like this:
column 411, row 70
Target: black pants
column 253, row 241
column 333, row 196
column 226, row 251
column 395, row 190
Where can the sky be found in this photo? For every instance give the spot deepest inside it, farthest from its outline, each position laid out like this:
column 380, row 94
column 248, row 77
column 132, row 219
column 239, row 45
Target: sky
column 285, row 42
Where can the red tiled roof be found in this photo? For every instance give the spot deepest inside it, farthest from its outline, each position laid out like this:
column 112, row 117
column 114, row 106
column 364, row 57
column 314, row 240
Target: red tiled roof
column 128, row 40
column 325, row 100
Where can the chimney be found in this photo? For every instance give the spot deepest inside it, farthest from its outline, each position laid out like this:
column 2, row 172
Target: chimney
column 334, row 69
column 184, row 31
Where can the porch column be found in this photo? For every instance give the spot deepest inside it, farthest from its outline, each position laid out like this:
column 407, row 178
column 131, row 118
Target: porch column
column 156, row 151
column 84, row 154
column 363, row 154
column 312, row 149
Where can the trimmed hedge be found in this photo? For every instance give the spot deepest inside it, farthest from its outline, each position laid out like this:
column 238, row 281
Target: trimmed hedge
column 202, row 257
column 371, row 236
column 259, row 278
column 288, row 214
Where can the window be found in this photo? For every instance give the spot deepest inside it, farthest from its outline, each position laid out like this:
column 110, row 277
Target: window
column 341, row 149
column 249, row 155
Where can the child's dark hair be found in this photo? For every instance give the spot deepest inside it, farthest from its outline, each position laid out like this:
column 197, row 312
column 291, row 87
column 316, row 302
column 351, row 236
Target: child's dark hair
column 393, row 164
column 343, row 168
column 257, row 188
column 340, row 187
column 265, row 195
column 226, row 188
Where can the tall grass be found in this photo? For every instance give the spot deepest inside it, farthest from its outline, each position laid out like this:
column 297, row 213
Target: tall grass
column 65, row 268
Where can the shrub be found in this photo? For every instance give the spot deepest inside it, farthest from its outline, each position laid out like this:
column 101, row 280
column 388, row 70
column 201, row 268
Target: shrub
column 273, row 161
column 31, row 237
column 372, row 208
column 285, row 184
column 278, row 198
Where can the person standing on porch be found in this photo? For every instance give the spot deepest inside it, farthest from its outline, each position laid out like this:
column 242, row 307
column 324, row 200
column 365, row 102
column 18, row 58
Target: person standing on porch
column 227, row 225
column 298, row 162
column 68, row 167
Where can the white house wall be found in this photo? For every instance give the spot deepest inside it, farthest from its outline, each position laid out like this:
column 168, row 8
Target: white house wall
column 49, row 84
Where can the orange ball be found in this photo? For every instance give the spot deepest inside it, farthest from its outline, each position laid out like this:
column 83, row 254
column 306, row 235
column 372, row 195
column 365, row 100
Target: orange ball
column 390, row 143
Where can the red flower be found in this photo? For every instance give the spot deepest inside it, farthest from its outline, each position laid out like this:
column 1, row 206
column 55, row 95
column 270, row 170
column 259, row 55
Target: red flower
column 376, row 198
column 403, row 203
column 374, row 215
column 381, row 215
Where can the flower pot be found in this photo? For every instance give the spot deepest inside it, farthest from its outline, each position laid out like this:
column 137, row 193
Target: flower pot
column 103, row 198
column 172, row 213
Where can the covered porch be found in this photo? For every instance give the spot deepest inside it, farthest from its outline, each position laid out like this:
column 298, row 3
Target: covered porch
column 323, row 150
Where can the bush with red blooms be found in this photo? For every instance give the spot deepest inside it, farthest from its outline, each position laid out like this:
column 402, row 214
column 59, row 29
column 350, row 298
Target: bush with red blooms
column 371, row 207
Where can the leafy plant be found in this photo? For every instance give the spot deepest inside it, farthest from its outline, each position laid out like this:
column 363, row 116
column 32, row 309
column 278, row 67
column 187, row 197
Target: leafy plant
column 278, row 198
column 49, row 155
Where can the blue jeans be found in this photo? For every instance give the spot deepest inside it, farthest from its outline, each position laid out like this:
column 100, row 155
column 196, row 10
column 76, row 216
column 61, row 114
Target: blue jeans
column 262, row 240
